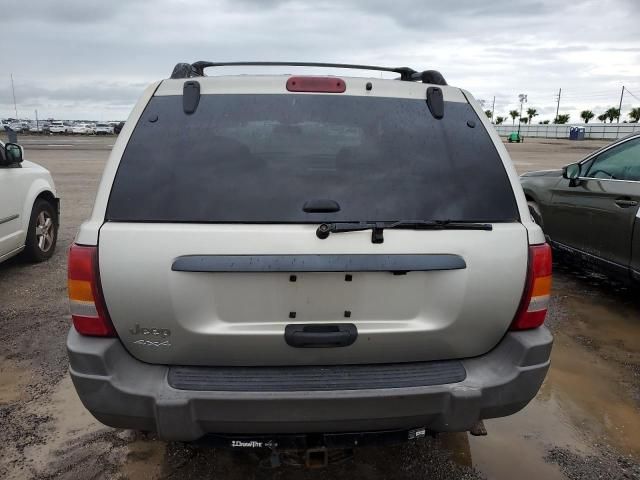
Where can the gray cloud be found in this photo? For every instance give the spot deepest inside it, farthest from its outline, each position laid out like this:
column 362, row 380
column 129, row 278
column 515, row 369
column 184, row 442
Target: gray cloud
column 76, row 58
column 66, row 12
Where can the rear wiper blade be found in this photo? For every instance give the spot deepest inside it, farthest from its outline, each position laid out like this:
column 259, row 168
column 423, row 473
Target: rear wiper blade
column 439, row 225
column 377, row 228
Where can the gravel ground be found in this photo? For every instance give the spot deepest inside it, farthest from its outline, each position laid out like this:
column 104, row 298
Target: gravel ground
column 582, row 425
column 605, row 465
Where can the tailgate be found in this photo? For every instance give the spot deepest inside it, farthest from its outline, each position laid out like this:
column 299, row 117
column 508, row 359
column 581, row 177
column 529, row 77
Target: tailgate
column 238, row 316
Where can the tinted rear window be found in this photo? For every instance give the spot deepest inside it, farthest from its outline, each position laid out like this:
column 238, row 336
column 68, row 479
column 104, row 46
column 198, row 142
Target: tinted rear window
column 260, row 158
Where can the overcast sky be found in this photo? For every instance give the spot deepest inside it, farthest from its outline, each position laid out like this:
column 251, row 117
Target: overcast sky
column 84, row 59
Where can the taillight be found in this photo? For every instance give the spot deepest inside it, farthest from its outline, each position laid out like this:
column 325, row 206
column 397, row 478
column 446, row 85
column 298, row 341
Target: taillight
column 537, row 290
column 316, row 84
column 88, row 310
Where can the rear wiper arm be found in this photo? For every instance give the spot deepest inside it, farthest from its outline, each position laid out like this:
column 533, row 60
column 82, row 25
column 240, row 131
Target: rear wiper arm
column 377, row 228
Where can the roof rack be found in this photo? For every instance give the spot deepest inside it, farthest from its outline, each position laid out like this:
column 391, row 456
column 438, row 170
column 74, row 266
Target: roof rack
column 190, row 70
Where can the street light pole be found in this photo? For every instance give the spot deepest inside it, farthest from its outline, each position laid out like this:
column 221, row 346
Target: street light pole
column 13, row 91
column 493, row 109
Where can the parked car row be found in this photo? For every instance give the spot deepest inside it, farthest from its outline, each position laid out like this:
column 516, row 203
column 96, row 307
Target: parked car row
column 63, row 127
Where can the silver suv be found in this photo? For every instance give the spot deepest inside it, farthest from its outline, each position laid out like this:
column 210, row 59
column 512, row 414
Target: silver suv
column 323, row 257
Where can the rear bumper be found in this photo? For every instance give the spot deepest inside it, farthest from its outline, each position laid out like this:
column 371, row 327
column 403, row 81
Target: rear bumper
column 123, row 392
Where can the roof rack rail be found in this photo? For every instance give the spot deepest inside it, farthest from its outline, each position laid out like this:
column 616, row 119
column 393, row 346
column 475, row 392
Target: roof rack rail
column 190, row 70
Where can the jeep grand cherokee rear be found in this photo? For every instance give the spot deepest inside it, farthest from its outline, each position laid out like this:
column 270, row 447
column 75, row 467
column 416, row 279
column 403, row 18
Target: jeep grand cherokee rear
column 301, row 254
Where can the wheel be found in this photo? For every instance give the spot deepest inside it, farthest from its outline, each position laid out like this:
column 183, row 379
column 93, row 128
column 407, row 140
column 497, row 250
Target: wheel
column 43, row 232
column 534, row 209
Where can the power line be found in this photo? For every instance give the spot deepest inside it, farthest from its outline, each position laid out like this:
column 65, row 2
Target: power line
column 629, row 92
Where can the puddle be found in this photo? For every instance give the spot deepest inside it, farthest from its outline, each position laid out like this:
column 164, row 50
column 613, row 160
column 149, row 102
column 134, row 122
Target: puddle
column 520, row 442
column 70, row 429
column 588, row 390
column 588, row 398
column 13, row 381
column 73, row 444
column 145, row 459
column 601, row 316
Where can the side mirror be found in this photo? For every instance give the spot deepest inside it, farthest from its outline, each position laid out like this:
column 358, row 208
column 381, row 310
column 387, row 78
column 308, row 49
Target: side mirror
column 571, row 173
column 13, row 153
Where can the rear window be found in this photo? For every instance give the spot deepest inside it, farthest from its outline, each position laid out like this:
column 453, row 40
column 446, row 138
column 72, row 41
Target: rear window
column 260, row 158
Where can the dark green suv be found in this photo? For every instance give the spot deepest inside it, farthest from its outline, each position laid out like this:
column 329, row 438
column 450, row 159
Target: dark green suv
column 591, row 207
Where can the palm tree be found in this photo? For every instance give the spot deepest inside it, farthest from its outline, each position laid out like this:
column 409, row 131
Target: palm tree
column 634, row 115
column 488, row 113
column 531, row 112
column 514, row 114
column 499, row 120
column 544, row 122
column 603, row 117
column 613, row 113
column 561, row 119
column 587, row 115
column 524, row 120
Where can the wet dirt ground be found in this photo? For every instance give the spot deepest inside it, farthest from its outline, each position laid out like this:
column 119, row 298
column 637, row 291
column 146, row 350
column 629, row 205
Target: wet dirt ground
column 584, row 423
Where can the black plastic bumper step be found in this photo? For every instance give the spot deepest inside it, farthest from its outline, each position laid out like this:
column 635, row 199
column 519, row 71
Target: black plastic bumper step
column 316, row 378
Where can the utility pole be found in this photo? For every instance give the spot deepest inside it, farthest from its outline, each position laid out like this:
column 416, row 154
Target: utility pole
column 558, row 107
column 493, row 109
column 620, row 106
column 36, row 119
column 523, row 99
column 619, row 113
column 15, row 107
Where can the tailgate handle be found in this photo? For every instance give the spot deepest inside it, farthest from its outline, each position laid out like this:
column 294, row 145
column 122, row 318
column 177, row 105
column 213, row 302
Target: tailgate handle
column 320, row 335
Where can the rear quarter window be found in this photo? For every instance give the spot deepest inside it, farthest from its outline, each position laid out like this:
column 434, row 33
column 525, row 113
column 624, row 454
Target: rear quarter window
column 259, row 158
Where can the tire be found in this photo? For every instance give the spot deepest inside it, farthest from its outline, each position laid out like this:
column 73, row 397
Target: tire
column 41, row 242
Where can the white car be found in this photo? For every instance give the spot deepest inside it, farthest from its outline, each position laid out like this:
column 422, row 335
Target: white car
column 19, row 127
column 58, row 127
column 82, row 128
column 29, row 207
column 104, row 129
